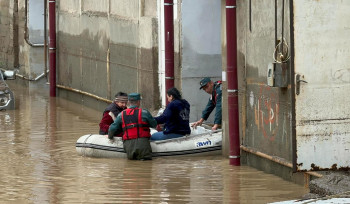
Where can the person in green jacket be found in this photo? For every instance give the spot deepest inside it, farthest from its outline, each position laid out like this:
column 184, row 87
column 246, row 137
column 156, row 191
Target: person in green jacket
column 135, row 124
column 215, row 90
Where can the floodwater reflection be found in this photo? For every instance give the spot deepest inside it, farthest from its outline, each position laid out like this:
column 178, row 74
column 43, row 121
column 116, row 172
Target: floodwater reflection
column 40, row 164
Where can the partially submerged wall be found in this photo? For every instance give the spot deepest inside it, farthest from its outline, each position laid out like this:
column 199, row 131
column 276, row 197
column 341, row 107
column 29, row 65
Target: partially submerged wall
column 303, row 125
column 15, row 51
column 322, row 58
column 8, row 35
column 108, row 46
column 265, row 112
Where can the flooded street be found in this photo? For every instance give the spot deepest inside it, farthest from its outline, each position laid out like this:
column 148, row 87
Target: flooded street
column 40, row 164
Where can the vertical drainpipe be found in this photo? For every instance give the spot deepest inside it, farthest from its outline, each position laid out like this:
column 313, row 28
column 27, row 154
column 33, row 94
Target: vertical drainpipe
column 169, row 44
column 232, row 82
column 15, row 35
column 45, row 38
column 52, row 48
column 292, row 83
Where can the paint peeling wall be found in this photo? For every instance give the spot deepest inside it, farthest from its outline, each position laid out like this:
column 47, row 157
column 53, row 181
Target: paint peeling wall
column 322, row 58
column 265, row 112
column 109, row 46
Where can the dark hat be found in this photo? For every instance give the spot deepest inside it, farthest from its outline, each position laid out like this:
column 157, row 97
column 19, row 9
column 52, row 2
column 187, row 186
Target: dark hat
column 204, row 82
column 134, row 97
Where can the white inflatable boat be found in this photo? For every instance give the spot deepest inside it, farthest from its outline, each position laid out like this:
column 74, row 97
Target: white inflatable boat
column 201, row 142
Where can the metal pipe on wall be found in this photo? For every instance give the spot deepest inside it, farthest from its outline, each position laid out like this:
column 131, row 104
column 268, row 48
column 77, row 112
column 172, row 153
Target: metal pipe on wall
column 276, row 159
column 292, row 86
column 45, row 38
column 266, row 156
column 84, row 93
column 232, row 82
column 31, row 79
column 15, row 34
column 52, row 47
column 169, row 44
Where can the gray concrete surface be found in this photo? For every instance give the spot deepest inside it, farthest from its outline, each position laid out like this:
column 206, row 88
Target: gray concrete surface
column 331, row 185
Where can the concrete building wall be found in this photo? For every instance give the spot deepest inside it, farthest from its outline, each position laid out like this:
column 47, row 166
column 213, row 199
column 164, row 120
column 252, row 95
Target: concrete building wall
column 200, row 51
column 33, row 47
column 108, row 46
column 322, row 60
column 22, row 44
column 225, row 136
column 7, row 34
column 35, row 21
column 17, row 32
column 177, row 9
column 303, row 124
column 16, row 48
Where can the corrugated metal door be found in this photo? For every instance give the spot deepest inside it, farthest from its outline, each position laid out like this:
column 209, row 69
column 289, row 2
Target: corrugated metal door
column 322, row 68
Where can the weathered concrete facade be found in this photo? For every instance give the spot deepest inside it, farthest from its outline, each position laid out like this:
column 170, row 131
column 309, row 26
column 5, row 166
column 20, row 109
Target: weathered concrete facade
column 16, row 50
column 200, row 51
column 108, row 46
column 265, row 112
column 99, row 43
column 322, row 58
column 8, row 35
column 303, row 126
column 105, row 46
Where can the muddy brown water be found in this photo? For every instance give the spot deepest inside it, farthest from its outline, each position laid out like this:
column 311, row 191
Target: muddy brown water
column 39, row 164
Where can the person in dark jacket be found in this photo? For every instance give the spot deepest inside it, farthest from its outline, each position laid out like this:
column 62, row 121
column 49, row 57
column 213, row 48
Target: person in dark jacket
column 134, row 123
column 175, row 117
column 215, row 91
column 112, row 111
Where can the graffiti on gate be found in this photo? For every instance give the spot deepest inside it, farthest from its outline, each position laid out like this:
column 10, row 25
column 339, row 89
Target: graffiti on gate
column 266, row 110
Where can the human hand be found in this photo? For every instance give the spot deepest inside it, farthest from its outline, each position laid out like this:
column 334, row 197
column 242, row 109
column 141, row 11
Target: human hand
column 198, row 123
column 111, row 140
column 159, row 128
column 215, row 127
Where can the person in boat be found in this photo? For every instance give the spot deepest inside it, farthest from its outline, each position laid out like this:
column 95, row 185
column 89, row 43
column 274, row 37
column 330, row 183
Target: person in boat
column 112, row 111
column 135, row 124
column 175, row 117
column 214, row 89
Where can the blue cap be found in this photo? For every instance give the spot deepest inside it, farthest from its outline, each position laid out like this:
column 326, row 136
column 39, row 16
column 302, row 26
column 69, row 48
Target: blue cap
column 204, row 82
column 134, row 97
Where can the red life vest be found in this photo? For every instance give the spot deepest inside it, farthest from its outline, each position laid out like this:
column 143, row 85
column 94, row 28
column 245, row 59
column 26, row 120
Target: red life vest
column 132, row 124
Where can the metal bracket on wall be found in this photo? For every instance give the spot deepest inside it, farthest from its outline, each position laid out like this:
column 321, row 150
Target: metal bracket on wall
column 298, row 80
